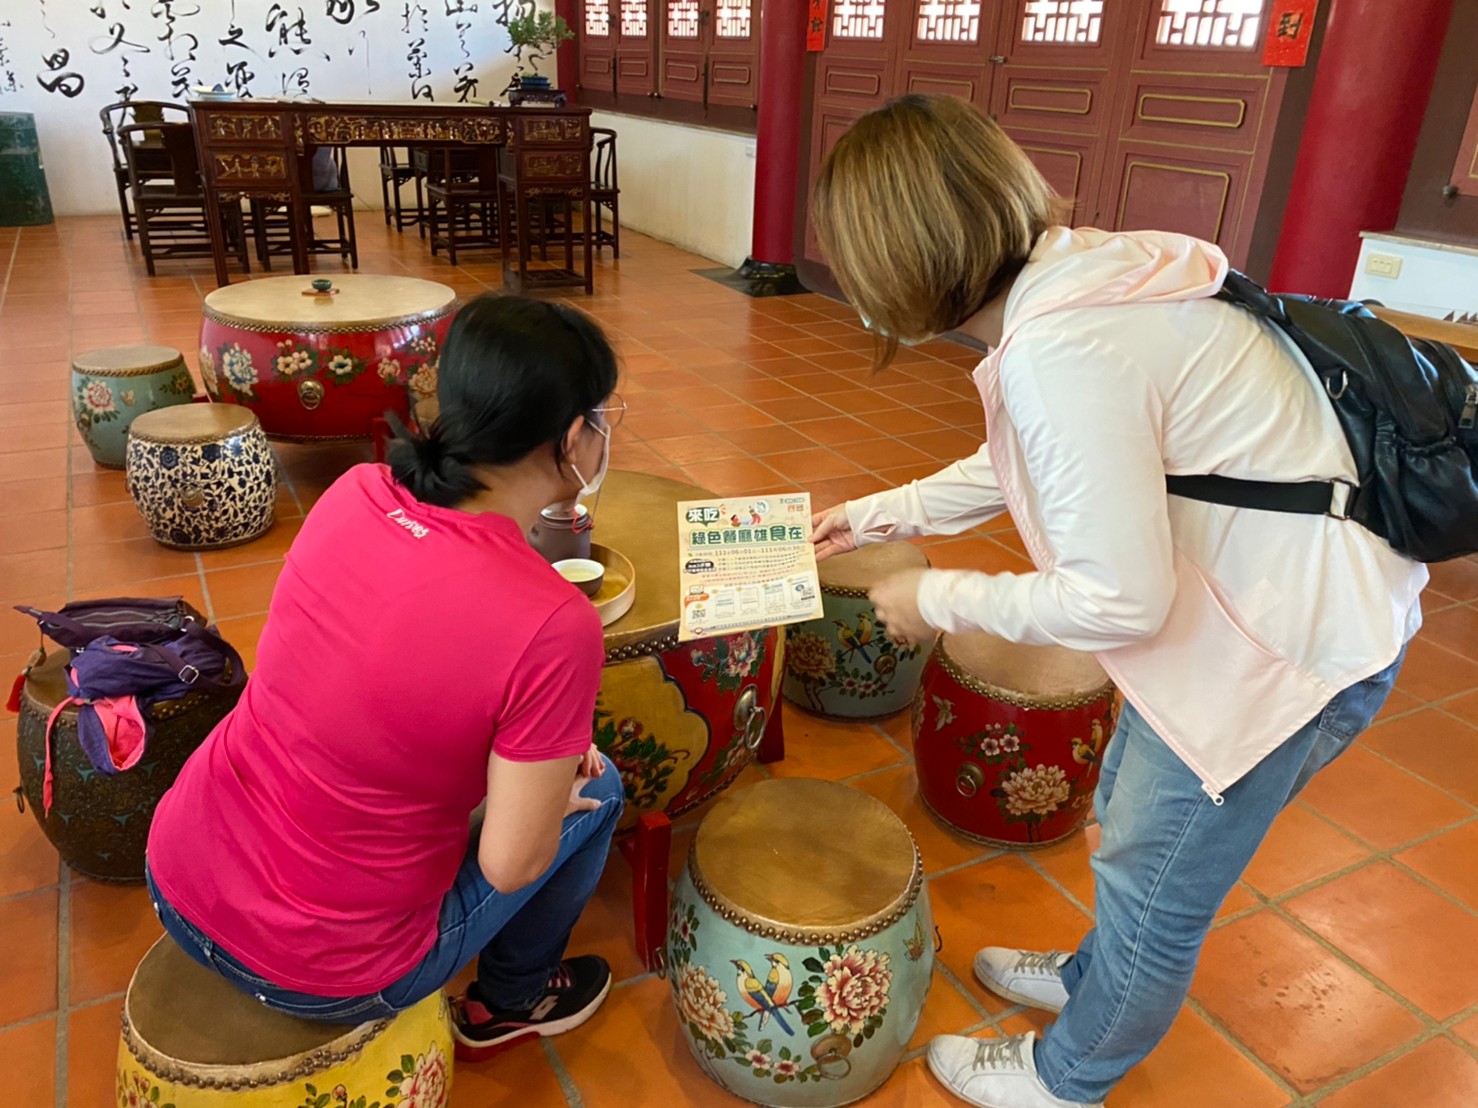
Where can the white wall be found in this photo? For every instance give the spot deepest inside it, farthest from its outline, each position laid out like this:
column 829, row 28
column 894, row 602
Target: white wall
column 374, row 56
column 1431, row 278
column 689, row 186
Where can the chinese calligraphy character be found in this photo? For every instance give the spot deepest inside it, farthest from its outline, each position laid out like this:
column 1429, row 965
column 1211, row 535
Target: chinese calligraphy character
column 58, row 78
column 240, row 78
column 291, row 33
column 1290, row 24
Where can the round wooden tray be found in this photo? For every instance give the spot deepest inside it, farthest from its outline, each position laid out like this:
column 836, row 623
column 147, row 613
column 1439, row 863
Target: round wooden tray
column 618, row 591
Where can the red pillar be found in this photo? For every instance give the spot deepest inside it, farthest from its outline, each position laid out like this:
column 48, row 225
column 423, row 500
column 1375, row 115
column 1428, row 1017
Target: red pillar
column 567, row 73
column 778, row 137
column 1370, row 92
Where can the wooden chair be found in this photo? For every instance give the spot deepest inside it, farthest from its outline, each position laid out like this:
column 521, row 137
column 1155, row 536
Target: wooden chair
column 455, row 188
column 170, row 210
column 273, row 232
column 150, row 154
column 394, row 176
column 605, row 193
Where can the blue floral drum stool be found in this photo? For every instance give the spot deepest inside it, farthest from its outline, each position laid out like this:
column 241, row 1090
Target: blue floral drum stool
column 192, row 1040
column 799, row 963
column 202, row 476
column 844, row 665
column 111, row 387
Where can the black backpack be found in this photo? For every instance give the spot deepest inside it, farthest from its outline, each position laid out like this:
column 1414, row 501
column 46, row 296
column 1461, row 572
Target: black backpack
column 1408, row 408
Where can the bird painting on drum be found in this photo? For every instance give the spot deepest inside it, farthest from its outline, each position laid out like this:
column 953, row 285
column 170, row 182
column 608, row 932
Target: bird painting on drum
column 761, row 997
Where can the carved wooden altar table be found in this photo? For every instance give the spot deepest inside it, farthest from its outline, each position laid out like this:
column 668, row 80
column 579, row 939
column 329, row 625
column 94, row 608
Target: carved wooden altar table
column 264, row 149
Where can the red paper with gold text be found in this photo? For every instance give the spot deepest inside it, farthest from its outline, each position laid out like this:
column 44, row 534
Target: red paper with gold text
column 1290, row 27
column 816, row 27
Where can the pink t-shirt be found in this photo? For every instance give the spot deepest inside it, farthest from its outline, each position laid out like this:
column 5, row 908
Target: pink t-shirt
column 316, row 831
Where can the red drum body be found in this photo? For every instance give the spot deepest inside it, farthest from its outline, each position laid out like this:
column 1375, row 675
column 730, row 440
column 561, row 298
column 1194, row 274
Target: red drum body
column 322, row 367
column 1008, row 739
column 681, row 721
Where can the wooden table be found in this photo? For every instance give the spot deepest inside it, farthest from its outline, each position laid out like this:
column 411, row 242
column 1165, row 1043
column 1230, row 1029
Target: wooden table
column 1462, row 337
column 263, row 149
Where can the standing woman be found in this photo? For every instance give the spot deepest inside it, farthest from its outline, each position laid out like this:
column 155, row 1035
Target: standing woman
column 1251, row 647
column 418, row 658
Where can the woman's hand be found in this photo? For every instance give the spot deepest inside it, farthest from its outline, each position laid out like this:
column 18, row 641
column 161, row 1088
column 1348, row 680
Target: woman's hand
column 578, row 803
column 831, row 532
column 896, row 600
column 592, row 765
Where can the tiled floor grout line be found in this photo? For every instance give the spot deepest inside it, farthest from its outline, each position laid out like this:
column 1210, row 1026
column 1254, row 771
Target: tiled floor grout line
column 567, row 1084
column 63, row 989
column 1296, row 1099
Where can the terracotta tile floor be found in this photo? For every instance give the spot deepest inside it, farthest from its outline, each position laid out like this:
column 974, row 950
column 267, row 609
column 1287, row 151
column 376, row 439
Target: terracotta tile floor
column 1340, row 972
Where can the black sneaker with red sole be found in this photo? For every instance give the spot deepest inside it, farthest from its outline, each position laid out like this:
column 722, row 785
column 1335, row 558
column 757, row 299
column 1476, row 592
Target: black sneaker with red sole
column 575, row 990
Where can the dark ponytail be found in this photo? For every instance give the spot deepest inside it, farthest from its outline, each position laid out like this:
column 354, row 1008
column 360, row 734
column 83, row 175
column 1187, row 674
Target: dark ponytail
column 515, row 373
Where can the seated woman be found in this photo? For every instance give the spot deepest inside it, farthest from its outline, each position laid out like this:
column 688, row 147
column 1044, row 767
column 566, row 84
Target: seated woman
column 419, row 656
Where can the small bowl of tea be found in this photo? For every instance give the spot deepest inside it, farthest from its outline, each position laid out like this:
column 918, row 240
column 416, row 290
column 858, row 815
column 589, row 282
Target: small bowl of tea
column 585, row 574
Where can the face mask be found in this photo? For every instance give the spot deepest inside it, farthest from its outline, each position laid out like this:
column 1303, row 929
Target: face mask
column 867, row 323
column 592, row 486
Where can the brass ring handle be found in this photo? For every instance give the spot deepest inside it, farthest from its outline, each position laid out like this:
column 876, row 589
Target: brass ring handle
column 754, row 733
column 969, row 779
column 193, row 497
column 659, row 958
column 831, row 1052
column 310, row 393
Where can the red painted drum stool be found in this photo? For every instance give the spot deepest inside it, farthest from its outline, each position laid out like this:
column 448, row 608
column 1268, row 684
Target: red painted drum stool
column 1008, row 739
column 681, row 721
column 322, row 365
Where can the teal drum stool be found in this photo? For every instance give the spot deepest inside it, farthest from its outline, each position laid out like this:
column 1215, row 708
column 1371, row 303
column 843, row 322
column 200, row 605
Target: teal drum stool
column 844, row 665
column 800, row 947
column 112, row 387
column 25, row 201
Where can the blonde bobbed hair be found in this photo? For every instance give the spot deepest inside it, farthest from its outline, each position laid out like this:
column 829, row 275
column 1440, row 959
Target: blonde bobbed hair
column 926, row 211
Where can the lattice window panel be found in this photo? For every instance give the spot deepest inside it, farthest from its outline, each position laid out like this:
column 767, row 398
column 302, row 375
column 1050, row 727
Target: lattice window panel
column 1062, row 22
column 949, row 21
column 733, row 18
column 634, row 18
column 858, row 19
column 682, row 18
column 598, row 18
column 1229, row 24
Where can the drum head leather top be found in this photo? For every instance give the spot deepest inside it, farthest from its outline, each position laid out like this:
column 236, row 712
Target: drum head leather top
column 127, row 361
column 46, row 685
column 363, row 301
column 185, row 423
column 799, row 854
column 859, row 570
column 190, row 1015
column 1048, row 673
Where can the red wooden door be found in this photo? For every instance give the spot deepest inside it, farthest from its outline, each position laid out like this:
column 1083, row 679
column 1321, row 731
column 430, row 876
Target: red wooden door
column 1054, row 90
column 683, row 47
column 734, row 53
column 945, row 48
column 597, row 47
column 1194, row 123
column 635, row 75
column 854, row 75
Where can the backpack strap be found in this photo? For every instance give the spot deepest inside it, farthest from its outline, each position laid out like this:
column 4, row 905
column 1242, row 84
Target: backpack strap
column 189, row 674
column 1335, row 499
column 1304, row 498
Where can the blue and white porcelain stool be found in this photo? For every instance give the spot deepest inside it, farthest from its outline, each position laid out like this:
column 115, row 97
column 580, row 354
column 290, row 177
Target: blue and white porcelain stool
column 800, row 946
column 202, row 475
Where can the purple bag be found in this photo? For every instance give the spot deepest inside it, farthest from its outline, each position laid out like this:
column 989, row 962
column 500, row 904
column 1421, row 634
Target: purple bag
column 147, row 620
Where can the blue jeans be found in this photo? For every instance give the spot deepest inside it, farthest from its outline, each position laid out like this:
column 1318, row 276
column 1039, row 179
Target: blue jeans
column 1168, row 857
column 517, row 938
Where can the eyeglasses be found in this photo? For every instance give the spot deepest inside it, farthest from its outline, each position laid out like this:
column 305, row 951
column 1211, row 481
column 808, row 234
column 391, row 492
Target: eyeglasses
column 611, row 412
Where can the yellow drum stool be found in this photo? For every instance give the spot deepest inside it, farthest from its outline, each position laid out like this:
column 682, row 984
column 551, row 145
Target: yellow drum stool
column 192, row 1040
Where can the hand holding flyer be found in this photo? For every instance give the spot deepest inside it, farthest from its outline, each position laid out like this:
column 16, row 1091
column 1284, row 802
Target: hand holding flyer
column 746, row 563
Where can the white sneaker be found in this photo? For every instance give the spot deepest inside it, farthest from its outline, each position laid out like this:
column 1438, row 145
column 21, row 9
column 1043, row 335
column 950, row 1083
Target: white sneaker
column 993, row 1073
column 1024, row 976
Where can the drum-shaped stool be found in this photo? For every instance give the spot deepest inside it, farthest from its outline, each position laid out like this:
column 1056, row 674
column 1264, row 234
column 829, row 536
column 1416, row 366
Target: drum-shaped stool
column 844, row 665
column 800, row 946
column 1008, row 739
column 191, row 1039
column 323, row 366
column 99, row 824
column 111, row 387
column 202, row 476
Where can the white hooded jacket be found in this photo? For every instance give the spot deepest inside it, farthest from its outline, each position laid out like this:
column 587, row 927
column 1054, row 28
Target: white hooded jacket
column 1227, row 629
